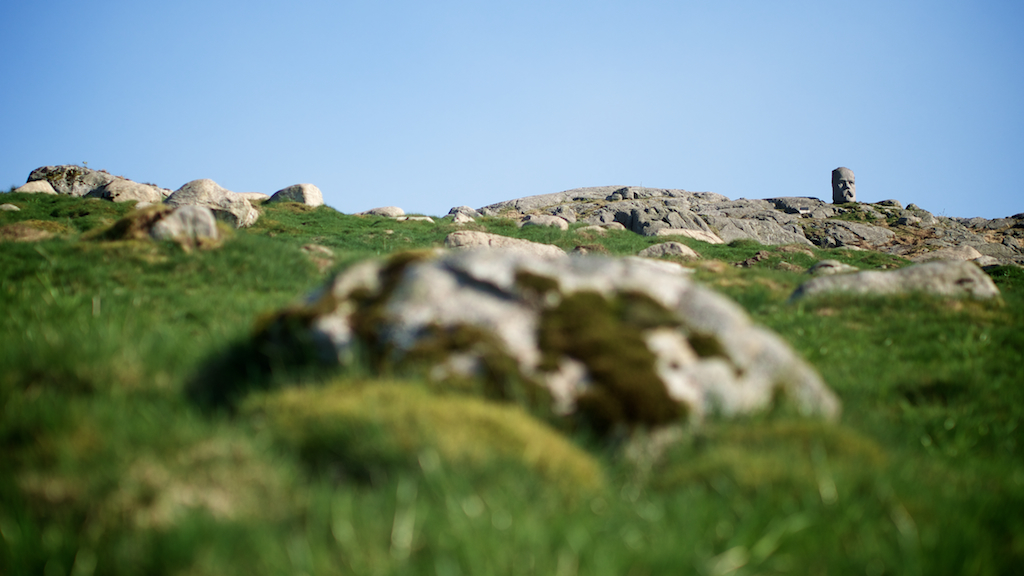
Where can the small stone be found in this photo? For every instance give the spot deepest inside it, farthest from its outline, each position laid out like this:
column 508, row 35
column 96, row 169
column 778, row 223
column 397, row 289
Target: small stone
column 9, row 208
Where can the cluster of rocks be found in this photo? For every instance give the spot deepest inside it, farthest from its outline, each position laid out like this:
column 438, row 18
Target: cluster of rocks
column 233, row 208
column 886, row 226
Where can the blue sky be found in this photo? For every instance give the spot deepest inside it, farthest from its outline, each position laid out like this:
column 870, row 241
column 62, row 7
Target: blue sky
column 430, row 105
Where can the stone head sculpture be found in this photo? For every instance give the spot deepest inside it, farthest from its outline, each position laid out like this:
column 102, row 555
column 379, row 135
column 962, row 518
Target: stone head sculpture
column 843, row 188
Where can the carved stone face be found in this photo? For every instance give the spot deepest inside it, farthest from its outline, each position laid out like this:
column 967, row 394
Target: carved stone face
column 843, row 188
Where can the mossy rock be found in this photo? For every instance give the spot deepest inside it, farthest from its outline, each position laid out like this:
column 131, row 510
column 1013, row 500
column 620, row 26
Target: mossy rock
column 359, row 429
column 605, row 334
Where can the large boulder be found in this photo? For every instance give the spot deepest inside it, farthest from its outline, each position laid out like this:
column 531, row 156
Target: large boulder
column 302, row 193
column 941, row 278
column 71, row 180
column 614, row 341
column 226, row 206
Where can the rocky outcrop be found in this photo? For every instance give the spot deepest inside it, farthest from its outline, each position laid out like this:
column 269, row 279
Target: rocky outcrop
column 614, row 341
column 71, row 180
column 80, row 181
column 226, row 206
column 307, row 194
column 942, row 278
column 885, row 226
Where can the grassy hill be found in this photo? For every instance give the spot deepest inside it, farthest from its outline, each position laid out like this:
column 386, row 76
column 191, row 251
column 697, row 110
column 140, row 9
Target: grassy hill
column 107, row 466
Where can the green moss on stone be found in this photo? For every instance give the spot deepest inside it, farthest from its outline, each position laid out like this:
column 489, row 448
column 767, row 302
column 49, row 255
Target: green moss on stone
column 607, row 336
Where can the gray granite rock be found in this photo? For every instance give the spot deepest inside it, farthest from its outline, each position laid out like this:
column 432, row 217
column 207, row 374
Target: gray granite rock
column 386, row 211
column 226, row 205
column 464, row 210
column 765, row 232
column 186, row 223
column 71, row 180
column 36, row 187
column 942, row 278
column 307, row 194
column 469, row 239
column 545, row 220
column 124, row 190
column 840, row 233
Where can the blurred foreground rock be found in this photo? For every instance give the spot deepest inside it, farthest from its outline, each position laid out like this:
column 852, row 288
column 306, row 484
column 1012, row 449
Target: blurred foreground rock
column 615, row 341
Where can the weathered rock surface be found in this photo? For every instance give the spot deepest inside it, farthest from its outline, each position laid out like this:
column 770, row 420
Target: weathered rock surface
column 226, row 205
column 618, row 340
column 942, row 278
column 307, row 194
column 71, row 180
column 469, row 239
column 709, row 237
column 840, row 233
column 186, row 223
column 763, row 231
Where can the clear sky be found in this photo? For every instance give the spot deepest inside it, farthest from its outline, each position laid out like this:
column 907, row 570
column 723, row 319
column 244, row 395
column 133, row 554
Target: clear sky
column 428, row 105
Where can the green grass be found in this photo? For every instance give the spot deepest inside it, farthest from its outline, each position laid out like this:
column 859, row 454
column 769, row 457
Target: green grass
column 107, row 466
